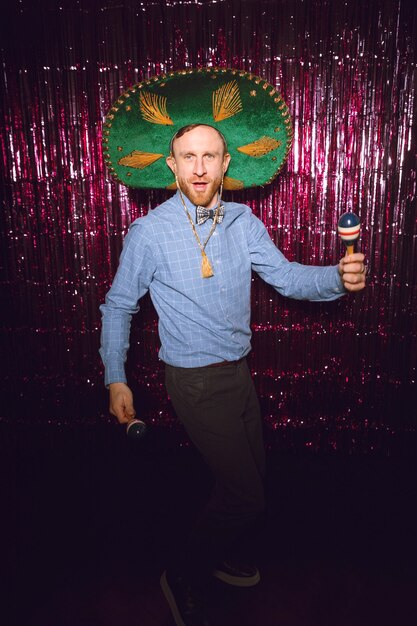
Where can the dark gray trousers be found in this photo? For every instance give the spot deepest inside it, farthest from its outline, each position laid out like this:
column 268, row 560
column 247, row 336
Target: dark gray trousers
column 219, row 409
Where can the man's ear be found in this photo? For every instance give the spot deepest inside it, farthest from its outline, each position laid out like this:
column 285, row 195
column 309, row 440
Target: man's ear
column 170, row 161
column 226, row 161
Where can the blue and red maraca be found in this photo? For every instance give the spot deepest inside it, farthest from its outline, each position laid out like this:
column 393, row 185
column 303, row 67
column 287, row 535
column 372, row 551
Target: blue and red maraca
column 348, row 227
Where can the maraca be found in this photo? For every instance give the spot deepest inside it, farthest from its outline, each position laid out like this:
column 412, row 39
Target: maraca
column 348, row 227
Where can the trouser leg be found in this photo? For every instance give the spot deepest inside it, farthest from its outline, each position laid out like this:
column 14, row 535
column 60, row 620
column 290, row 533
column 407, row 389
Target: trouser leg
column 220, row 411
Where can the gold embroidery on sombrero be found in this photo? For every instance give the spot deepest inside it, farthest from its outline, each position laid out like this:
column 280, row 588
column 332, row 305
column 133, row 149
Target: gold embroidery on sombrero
column 154, row 108
column 139, row 159
column 232, row 183
column 226, row 101
column 260, row 147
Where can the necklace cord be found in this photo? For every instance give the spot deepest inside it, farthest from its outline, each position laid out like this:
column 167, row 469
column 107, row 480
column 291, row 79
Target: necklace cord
column 206, row 268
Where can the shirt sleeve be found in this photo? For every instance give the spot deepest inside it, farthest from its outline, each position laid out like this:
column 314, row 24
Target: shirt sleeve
column 294, row 280
column 132, row 280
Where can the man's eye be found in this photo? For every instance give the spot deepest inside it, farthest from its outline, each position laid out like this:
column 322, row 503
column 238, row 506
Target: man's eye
column 210, row 157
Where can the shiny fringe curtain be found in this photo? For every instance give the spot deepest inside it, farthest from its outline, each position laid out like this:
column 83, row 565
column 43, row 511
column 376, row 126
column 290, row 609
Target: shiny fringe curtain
column 331, row 377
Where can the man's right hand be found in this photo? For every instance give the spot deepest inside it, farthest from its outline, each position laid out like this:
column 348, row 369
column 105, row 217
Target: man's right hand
column 121, row 402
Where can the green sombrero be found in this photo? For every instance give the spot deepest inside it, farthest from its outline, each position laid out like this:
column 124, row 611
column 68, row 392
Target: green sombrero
column 250, row 113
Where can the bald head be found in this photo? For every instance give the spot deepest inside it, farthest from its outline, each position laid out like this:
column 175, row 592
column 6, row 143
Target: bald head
column 186, row 129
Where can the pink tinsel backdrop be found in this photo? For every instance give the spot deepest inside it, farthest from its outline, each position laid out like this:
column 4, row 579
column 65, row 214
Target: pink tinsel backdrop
column 336, row 376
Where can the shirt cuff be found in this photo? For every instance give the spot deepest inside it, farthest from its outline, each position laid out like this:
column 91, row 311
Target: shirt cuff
column 114, row 374
column 339, row 288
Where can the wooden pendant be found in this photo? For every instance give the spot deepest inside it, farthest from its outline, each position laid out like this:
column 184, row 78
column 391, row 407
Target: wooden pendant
column 206, row 269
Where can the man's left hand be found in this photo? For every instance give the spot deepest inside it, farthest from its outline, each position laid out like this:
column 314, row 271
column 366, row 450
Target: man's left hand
column 352, row 270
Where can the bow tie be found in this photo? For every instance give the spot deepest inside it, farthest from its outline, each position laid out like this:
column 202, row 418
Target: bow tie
column 202, row 214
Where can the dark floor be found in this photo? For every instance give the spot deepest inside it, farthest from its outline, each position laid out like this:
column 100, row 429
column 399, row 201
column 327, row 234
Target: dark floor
column 90, row 517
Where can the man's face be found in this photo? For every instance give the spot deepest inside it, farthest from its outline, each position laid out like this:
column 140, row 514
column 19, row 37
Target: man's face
column 199, row 163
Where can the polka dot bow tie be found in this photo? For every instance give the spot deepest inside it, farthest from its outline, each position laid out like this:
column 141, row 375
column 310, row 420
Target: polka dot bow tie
column 203, row 214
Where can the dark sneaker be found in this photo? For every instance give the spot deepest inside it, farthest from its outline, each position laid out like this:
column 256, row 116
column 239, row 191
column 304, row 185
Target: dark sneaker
column 237, row 574
column 185, row 601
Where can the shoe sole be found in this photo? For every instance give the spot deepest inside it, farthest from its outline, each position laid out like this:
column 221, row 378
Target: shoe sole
column 237, row 581
column 171, row 600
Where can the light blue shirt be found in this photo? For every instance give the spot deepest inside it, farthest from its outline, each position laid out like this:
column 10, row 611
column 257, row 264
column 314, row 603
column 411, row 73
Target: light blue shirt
column 201, row 320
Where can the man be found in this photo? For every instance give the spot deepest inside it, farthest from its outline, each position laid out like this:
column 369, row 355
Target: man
column 199, row 277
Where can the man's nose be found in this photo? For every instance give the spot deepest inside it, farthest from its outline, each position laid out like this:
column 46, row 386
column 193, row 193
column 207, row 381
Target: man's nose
column 199, row 167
